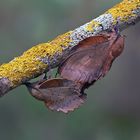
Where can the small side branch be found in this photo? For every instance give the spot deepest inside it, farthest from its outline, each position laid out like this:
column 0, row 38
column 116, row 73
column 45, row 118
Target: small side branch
column 36, row 60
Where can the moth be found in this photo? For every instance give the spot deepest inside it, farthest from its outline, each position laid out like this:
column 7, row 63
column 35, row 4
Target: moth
column 92, row 58
column 58, row 94
column 89, row 61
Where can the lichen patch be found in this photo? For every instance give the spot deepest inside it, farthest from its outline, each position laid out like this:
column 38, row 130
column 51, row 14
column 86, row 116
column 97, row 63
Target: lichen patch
column 124, row 10
column 91, row 25
column 29, row 65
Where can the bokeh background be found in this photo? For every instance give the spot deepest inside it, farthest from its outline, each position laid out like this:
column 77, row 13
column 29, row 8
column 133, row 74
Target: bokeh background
column 112, row 111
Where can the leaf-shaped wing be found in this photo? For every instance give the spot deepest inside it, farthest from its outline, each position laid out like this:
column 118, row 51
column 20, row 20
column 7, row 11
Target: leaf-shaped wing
column 58, row 94
column 92, row 58
column 85, row 65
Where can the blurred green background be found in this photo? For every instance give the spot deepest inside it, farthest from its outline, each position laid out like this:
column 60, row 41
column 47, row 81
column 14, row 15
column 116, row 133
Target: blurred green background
column 112, row 111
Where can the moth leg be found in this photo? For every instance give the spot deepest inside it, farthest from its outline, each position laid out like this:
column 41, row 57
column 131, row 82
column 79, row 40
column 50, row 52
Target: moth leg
column 116, row 28
column 49, row 74
column 44, row 76
column 56, row 73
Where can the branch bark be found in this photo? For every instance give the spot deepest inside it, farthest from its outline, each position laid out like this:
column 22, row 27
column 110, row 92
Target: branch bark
column 36, row 60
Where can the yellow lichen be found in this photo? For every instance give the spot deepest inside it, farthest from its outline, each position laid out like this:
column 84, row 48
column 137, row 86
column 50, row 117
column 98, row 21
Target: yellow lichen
column 91, row 25
column 62, row 40
column 28, row 64
column 123, row 10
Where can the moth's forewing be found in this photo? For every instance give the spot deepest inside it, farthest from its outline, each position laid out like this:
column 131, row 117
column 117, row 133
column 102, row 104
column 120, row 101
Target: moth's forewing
column 90, row 61
column 84, row 65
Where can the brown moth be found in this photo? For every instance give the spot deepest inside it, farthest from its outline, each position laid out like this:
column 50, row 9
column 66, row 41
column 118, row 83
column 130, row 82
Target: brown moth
column 58, row 94
column 92, row 58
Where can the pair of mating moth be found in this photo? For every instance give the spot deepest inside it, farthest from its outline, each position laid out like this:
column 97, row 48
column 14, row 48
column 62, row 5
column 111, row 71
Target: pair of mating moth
column 89, row 61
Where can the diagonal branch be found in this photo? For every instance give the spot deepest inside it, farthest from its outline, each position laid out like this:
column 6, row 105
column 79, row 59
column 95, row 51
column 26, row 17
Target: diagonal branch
column 36, row 60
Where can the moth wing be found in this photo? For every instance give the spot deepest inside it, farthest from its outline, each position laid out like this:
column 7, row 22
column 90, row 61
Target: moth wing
column 62, row 99
column 58, row 94
column 85, row 65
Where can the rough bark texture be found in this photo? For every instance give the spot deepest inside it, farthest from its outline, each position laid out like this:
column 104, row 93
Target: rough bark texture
column 36, row 60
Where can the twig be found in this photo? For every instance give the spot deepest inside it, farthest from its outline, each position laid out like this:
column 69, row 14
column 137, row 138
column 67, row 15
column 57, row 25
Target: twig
column 36, row 60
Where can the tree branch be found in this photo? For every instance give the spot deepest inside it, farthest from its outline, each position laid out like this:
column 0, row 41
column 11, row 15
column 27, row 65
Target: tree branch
column 36, row 60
